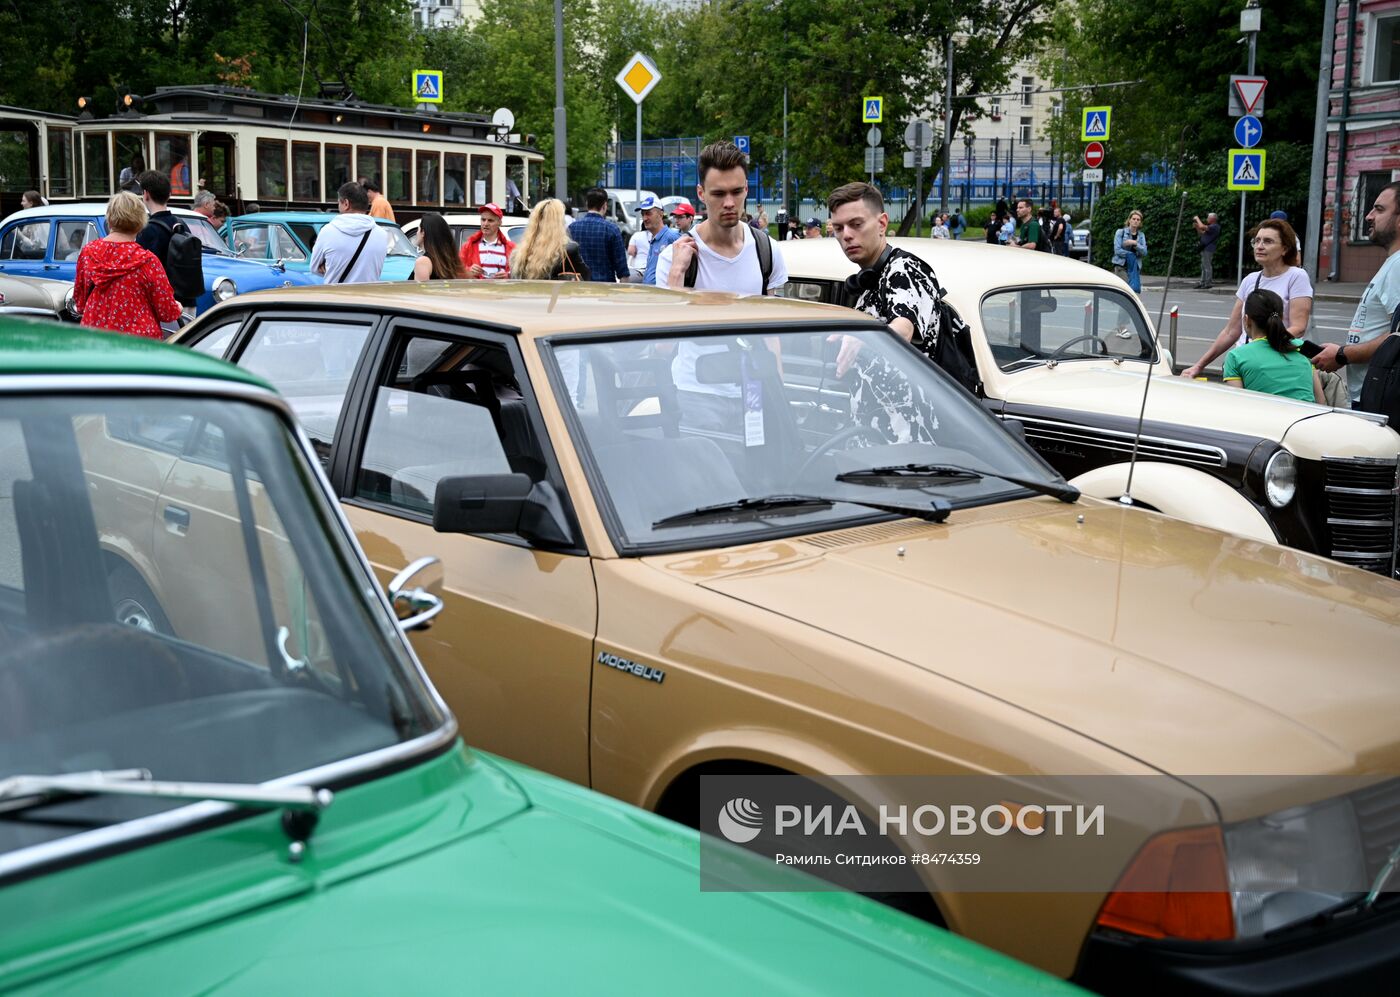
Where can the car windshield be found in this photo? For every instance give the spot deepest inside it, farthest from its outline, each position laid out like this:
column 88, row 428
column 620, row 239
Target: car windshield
column 207, row 234
column 177, row 596
column 676, row 424
column 399, row 244
column 1031, row 326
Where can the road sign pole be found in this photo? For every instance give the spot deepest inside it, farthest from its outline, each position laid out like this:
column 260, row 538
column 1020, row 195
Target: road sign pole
column 1089, row 239
column 1239, row 261
column 947, row 128
column 639, row 153
column 918, row 189
column 561, row 119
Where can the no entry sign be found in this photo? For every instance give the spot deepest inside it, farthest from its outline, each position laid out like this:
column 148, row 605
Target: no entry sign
column 1093, row 155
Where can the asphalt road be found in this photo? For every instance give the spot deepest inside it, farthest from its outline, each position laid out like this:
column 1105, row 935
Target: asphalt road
column 1204, row 313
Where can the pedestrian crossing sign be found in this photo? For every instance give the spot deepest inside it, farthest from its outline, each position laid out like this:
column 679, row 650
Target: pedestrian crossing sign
column 1246, row 169
column 427, row 86
column 1095, row 124
column 872, row 110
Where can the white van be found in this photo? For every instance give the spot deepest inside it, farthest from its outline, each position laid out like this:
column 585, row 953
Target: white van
column 622, row 207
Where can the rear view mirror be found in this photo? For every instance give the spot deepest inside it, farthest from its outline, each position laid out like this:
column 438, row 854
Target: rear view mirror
column 721, row 367
column 480, row 503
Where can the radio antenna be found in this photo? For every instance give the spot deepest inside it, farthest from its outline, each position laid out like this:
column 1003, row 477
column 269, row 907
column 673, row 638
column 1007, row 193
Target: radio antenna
column 1127, row 497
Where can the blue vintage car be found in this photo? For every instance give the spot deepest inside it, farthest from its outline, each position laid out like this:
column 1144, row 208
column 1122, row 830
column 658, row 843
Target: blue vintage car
column 44, row 242
column 289, row 236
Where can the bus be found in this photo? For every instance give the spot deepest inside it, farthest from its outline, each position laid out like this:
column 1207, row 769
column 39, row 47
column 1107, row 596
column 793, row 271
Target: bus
column 271, row 150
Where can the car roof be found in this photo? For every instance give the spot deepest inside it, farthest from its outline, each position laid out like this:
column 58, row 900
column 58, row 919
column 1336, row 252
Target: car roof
column 970, row 267
column 474, row 218
column 541, row 307
column 81, row 209
column 33, row 347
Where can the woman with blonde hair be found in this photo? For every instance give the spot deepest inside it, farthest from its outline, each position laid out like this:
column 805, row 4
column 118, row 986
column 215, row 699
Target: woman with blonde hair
column 544, row 251
column 121, row 286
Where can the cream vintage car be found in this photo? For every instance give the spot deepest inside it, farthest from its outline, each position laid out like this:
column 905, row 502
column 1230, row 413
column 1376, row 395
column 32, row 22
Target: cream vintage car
column 1063, row 349
column 676, row 545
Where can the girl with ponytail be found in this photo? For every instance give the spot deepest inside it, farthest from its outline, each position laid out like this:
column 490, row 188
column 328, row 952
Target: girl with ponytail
column 1270, row 361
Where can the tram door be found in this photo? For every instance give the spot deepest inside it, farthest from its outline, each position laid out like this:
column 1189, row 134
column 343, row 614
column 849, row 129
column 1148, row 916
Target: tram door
column 216, row 166
column 19, row 161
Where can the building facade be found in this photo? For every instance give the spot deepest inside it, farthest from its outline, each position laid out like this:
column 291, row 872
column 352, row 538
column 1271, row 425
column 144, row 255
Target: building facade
column 1363, row 134
column 429, row 14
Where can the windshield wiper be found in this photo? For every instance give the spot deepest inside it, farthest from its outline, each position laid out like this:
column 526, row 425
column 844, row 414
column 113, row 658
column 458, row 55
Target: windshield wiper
column 733, row 512
column 918, row 475
column 20, row 792
column 793, row 505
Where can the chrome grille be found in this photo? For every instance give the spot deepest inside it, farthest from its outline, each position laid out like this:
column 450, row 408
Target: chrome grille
column 1049, row 434
column 1363, row 509
column 1378, row 820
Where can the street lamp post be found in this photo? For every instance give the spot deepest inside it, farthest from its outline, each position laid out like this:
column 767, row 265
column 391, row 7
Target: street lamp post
column 561, row 125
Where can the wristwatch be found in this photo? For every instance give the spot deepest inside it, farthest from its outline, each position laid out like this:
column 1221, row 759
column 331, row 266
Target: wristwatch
column 1342, row 360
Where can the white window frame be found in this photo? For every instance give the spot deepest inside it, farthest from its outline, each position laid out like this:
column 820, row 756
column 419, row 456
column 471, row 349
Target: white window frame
column 1026, row 133
column 1027, row 88
column 1373, row 22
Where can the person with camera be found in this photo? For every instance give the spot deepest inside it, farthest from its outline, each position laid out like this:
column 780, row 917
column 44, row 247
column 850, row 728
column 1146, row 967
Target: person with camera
column 1209, row 231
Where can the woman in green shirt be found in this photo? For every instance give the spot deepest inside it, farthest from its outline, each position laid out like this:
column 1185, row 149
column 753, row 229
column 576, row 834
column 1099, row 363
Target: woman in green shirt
column 1270, row 361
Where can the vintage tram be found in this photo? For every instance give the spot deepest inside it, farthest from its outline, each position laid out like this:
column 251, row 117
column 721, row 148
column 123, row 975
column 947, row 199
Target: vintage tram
column 273, row 150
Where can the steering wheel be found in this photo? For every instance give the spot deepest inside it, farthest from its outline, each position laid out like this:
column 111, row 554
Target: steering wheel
column 1079, row 339
column 831, row 442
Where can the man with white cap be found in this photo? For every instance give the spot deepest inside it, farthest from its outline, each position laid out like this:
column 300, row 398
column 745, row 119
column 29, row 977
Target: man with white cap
column 654, row 222
column 487, row 253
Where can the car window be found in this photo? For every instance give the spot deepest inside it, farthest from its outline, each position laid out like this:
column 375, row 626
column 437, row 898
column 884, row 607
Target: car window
column 253, row 242
column 1032, row 325
column 26, row 241
column 216, row 344
column 306, row 232
column 803, row 290
column 198, row 614
column 72, row 237
column 311, row 364
column 399, row 244
column 281, row 245
column 451, row 407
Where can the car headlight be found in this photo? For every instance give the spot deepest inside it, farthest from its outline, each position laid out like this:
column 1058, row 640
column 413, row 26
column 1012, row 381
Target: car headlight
column 224, row 288
column 70, row 306
column 1293, row 864
column 1280, row 479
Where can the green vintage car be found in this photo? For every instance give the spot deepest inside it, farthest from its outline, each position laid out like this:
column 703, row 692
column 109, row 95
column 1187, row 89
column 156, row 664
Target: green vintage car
column 222, row 769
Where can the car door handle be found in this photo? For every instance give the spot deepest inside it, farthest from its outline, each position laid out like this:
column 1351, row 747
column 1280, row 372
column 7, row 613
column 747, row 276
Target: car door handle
column 52, row 266
column 177, row 520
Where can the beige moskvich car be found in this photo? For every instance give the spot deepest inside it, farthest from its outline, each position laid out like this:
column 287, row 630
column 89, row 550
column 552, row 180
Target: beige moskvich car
column 1063, row 348
column 676, row 543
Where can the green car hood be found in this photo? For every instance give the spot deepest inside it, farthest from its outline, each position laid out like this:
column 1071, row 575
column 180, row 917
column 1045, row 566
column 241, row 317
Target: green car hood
column 462, row 873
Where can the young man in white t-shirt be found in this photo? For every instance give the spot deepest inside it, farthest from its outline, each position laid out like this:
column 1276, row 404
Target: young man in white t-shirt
column 728, row 260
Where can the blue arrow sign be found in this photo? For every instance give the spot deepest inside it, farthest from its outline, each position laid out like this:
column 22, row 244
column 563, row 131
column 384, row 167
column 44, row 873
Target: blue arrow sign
column 742, row 141
column 1248, row 131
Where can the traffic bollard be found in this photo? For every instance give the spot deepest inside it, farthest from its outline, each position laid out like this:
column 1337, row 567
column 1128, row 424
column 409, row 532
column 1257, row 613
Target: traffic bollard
column 1171, row 335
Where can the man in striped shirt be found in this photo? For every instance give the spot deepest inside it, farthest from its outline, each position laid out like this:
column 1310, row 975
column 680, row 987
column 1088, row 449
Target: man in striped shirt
column 487, row 252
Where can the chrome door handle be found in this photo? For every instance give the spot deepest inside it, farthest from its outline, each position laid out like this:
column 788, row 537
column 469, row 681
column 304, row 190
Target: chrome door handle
column 177, row 519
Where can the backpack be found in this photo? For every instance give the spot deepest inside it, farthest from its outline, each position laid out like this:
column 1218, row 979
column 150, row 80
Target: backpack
column 1380, row 392
column 184, row 262
column 761, row 242
column 952, row 350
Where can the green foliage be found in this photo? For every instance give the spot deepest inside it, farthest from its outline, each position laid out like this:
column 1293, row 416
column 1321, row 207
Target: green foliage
column 976, row 217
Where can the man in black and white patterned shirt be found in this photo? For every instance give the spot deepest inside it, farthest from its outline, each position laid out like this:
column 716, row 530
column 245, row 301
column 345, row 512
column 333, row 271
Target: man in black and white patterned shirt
column 898, row 288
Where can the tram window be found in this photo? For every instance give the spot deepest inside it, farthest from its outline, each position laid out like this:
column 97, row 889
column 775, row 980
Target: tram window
column 337, row 166
column 306, row 171
column 427, row 174
column 399, row 189
column 98, row 173
column 369, row 163
column 60, row 162
column 272, row 168
column 173, row 159
column 454, row 179
column 132, row 155
column 216, row 163
column 482, row 179
column 16, row 169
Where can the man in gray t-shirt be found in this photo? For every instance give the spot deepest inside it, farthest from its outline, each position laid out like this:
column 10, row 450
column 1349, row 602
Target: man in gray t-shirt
column 1371, row 323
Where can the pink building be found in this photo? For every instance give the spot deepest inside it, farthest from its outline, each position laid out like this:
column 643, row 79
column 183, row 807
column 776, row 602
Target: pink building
column 1363, row 133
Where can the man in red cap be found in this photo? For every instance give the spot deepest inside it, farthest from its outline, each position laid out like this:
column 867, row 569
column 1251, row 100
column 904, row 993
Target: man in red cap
column 684, row 215
column 487, row 252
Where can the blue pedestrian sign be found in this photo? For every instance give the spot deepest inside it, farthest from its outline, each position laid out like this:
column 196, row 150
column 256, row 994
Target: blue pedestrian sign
column 427, row 86
column 742, row 141
column 872, row 110
column 1095, row 124
column 1248, row 131
column 1246, row 169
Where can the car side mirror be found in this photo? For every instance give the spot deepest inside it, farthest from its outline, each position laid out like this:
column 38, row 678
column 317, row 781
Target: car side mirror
column 1016, row 428
column 480, row 503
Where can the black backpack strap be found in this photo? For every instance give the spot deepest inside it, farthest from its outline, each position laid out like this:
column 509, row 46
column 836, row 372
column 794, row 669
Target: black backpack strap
column 692, row 272
column 1395, row 321
column 354, row 259
column 764, row 245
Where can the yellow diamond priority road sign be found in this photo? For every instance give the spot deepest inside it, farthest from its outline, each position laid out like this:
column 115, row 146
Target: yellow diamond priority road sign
column 638, row 77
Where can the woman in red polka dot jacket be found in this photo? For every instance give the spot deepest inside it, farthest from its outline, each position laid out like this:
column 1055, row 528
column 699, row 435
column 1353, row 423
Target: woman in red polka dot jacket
column 120, row 286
